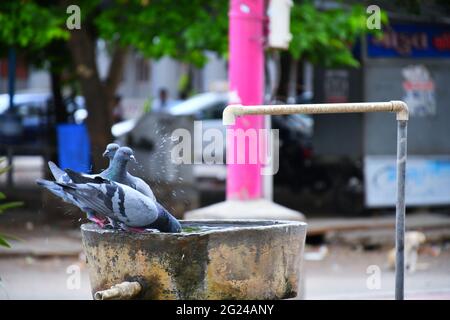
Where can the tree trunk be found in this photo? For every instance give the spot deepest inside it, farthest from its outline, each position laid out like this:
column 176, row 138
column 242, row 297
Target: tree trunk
column 61, row 115
column 99, row 96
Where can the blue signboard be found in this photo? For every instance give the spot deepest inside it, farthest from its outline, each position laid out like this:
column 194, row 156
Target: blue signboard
column 427, row 180
column 74, row 149
column 411, row 41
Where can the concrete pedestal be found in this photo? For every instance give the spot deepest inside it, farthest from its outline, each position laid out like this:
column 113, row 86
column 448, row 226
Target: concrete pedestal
column 226, row 259
column 249, row 209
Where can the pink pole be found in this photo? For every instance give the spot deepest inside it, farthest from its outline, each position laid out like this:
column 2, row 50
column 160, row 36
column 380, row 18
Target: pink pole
column 246, row 76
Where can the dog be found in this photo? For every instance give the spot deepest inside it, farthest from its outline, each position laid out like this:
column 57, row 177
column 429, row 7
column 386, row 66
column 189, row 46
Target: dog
column 413, row 241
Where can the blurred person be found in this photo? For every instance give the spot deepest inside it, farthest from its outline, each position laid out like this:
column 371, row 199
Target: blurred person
column 162, row 102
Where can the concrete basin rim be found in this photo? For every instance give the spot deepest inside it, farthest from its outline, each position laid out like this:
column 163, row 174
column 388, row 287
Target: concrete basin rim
column 273, row 224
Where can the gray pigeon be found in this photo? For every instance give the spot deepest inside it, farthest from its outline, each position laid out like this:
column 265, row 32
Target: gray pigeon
column 120, row 203
column 102, row 195
column 62, row 177
column 117, row 172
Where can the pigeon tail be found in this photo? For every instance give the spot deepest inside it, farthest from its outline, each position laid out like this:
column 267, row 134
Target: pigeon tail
column 56, row 188
column 66, row 191
column 165, row 221
column 46, row 184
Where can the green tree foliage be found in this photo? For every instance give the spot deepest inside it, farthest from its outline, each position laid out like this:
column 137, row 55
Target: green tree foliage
column 326, row 37
column 27, row 24
column 181, row 29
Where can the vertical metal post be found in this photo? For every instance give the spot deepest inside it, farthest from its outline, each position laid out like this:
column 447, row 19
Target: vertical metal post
column 9, row 174
column 11, row 76
column 11, row 92
column 400, row 210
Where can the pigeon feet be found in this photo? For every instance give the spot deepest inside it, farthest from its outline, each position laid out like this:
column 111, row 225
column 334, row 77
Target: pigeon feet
column 100, row 222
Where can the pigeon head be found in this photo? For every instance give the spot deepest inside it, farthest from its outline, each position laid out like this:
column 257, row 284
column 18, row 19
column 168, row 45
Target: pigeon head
column 125, row 154
column 111, row 150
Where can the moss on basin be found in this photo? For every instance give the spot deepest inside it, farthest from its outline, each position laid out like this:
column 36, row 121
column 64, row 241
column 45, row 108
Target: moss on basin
column 239, row 259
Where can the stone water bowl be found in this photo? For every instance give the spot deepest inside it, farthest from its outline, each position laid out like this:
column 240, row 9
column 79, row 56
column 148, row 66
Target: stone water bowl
column 210, row 259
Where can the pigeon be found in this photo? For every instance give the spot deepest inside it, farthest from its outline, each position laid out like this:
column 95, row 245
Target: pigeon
column 62, row 177
column 126, row 201
column 117, row 172
column 120, row 202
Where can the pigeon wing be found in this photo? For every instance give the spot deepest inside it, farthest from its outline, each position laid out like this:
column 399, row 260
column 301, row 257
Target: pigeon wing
column 97, row 197
column 142, row 187
column 137, row 209
column 79, row 178
column 117, row 201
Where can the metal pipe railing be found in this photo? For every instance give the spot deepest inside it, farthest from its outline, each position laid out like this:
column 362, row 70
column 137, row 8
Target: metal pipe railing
column 231, row 111
column 399, row 107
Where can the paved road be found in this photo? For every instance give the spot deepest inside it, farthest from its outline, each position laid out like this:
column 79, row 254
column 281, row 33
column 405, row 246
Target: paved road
column 48, row 278
column 341, row 275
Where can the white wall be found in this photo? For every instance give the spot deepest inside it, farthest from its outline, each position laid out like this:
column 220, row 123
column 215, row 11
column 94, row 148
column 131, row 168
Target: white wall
column 38, row 80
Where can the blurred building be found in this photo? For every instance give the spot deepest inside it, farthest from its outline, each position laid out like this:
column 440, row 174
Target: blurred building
column 144, row 78
column 410, row 63
column 27, row 77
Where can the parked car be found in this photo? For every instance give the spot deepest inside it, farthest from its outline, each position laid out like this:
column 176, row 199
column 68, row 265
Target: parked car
column 31, row 118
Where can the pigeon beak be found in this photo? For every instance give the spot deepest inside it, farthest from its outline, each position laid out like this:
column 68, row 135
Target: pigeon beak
column 105, row 153
column 133, row 158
